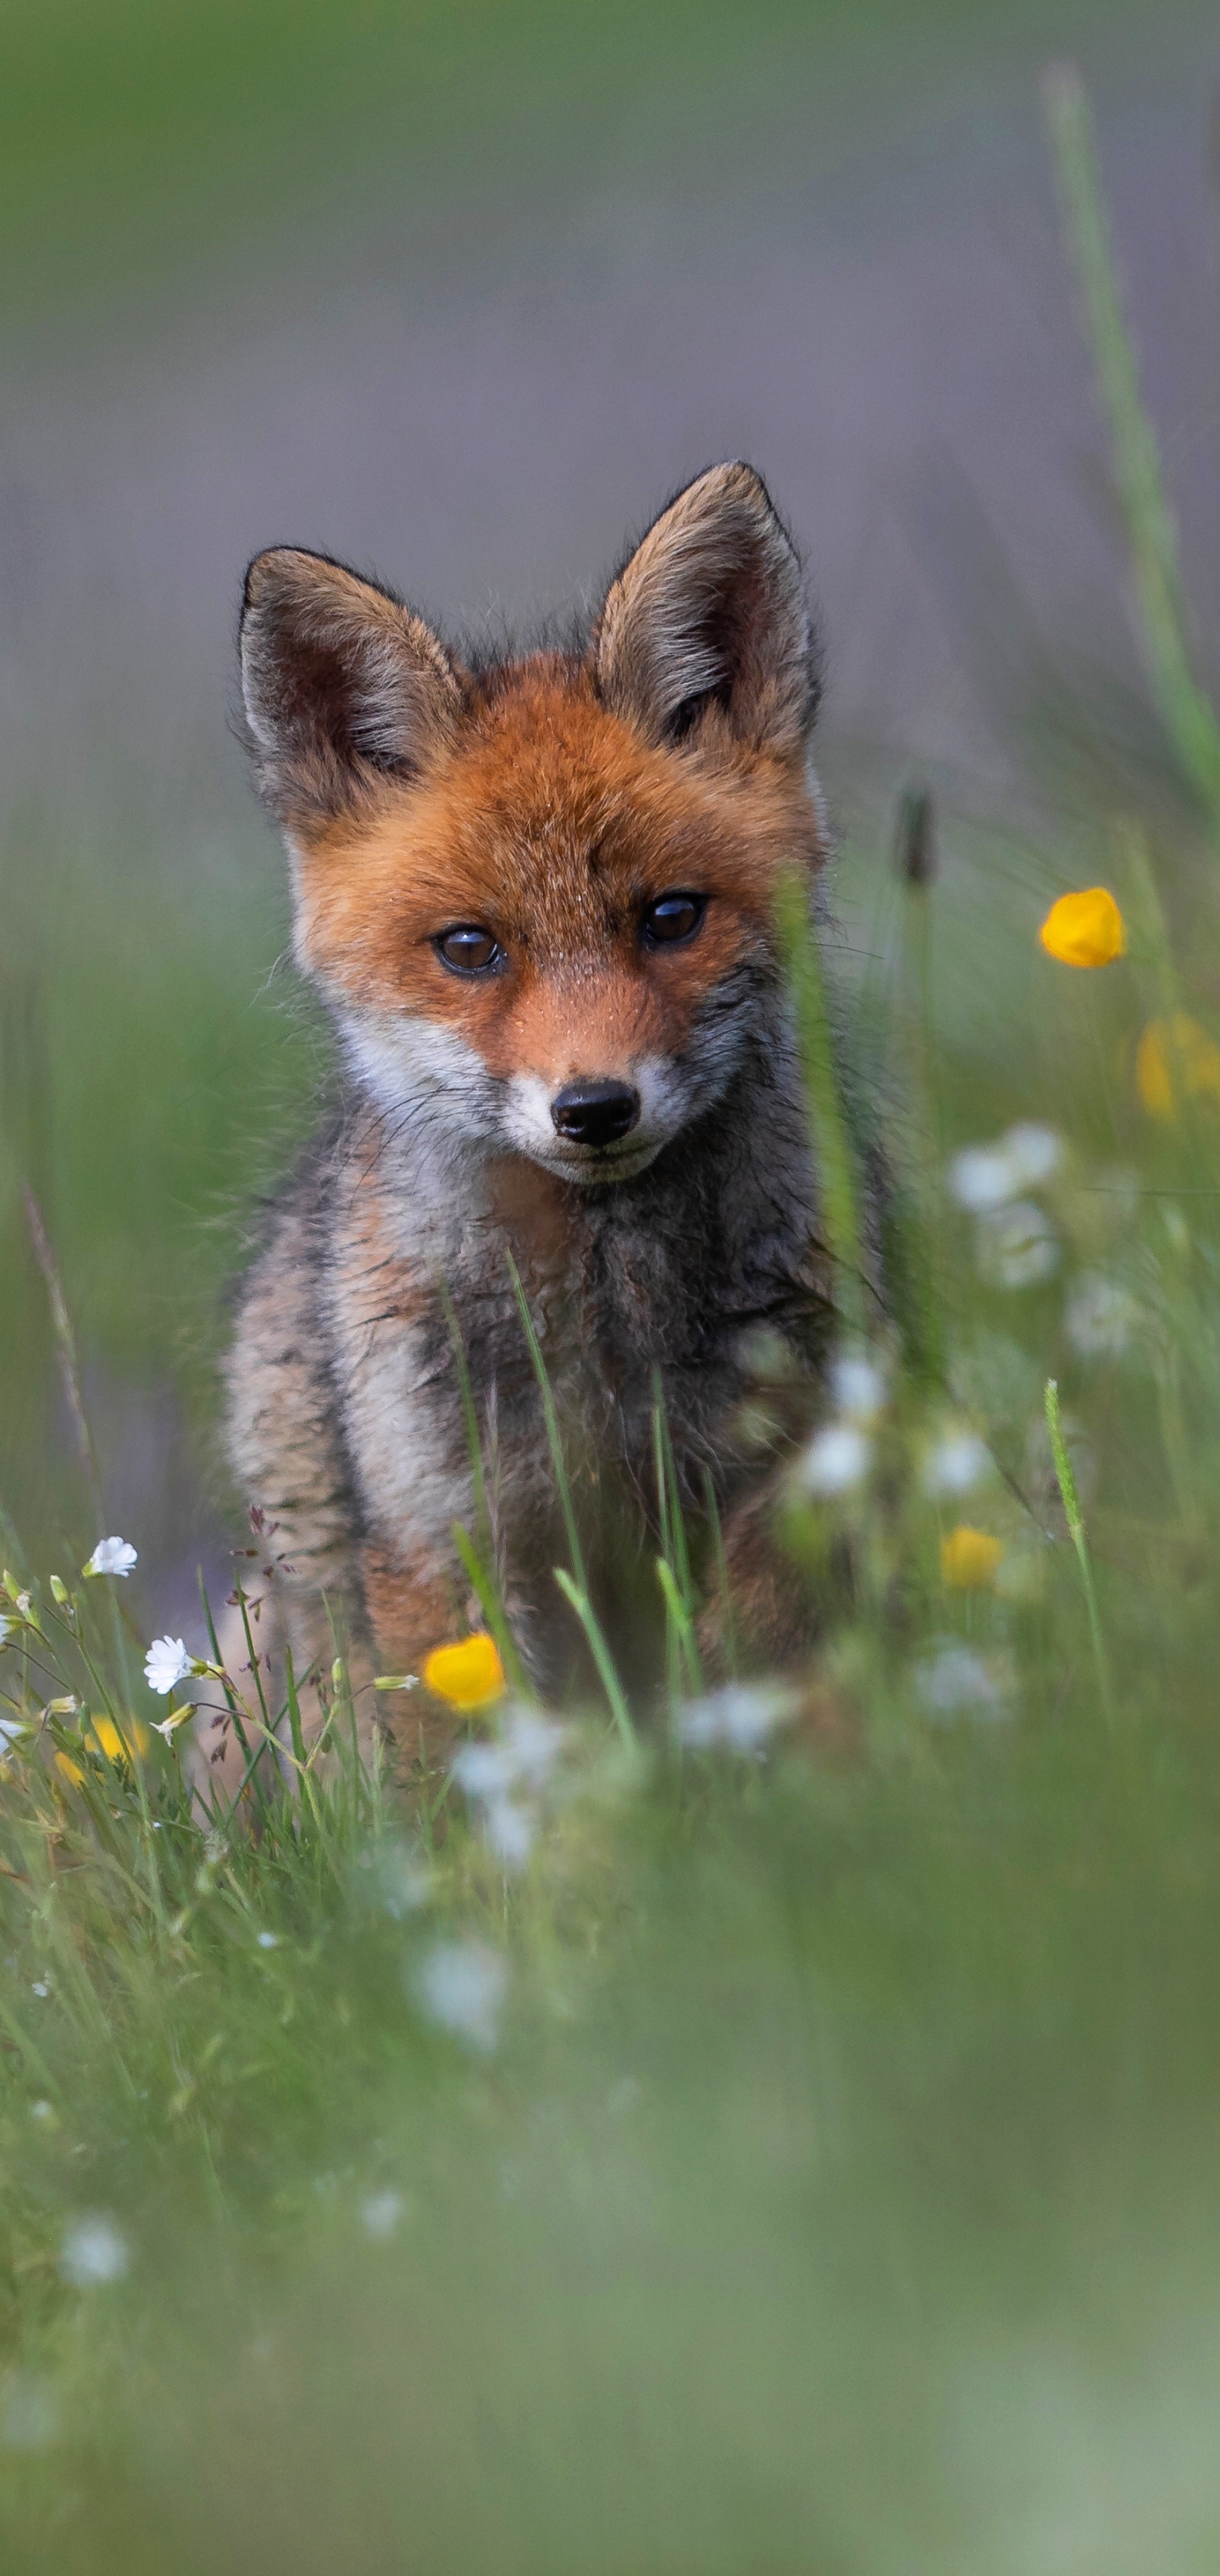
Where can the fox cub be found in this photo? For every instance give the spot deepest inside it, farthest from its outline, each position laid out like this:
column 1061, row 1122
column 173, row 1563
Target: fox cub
column 537, row 895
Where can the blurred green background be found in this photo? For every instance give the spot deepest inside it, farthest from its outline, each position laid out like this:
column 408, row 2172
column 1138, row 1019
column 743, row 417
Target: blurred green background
column 461, row 293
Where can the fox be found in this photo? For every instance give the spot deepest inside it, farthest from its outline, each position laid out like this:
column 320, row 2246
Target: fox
column 536, row 891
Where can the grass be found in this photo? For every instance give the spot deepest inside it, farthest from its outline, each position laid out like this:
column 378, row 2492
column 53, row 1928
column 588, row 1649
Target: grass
column 765, row 2141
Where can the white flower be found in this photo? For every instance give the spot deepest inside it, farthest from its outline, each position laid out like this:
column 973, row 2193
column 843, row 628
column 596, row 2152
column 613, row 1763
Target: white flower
column 511, row 1831
column 953, row 1681
column 981, row 1177
column 857, row 1386
column 740, row 1717
column 956, row 1465
column 11, row 1732
column 463, row 1985
column 497, row 1776
column 1101, row 1319
column 111, row 1556
column 836, row 1459
column 6, row 1630
column 988, row 1176
column 268, row 1940
column 382, row 2212
column 1034, row 1154
column 93, row 2251
column 1016, row 1247
column 166, row 1663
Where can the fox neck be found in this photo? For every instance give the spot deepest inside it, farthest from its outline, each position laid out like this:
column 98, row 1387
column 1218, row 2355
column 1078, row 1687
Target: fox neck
column 718, row 1226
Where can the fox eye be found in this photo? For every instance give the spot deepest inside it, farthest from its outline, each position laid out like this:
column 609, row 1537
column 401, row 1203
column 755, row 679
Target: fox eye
column 673, row 917
column 468, row 949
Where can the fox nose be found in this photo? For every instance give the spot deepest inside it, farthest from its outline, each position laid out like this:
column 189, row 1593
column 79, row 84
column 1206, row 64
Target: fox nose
column 595, row 1113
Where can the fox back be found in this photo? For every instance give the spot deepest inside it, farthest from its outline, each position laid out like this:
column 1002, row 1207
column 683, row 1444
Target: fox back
column 538, row 897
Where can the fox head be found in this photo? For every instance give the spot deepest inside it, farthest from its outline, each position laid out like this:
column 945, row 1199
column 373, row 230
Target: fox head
column 540, row 895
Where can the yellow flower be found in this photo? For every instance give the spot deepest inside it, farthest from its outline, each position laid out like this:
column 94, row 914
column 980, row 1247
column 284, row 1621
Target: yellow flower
column 1085, row 929
column 969, row 1558
column 116, row 1747
column 71, row 1770
column 467, row 1675
column 1175, row 1057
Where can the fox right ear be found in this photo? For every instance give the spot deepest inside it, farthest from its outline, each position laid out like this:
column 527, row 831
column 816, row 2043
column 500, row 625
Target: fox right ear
column 710, row 611
column 343, row 687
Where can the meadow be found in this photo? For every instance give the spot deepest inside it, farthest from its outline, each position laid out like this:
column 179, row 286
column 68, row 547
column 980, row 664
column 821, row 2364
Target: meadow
column 775, row 2127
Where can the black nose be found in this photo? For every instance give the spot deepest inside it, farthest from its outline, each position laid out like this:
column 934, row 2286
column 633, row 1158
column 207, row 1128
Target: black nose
column 595, row 1113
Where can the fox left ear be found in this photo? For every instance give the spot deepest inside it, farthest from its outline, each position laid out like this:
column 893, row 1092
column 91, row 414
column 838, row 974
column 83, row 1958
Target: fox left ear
column 711, row 610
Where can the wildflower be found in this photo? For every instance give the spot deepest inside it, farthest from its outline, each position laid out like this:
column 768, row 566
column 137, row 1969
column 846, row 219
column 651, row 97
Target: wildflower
column 117, row 1747
column 1101, row 1318
column 11, row 1732
column 166, row 1663
column 167, row 1727
column 956, row 1464
column 983, row 1177
column 1085, row 929
column 511, row 1831
column 1176, row 1059
column 93, row 2252
column 836, row 1460
column 969, row 1557
column 1016, row 1247
column 268, row 1940
column 111, row 1556
column 70, row 1770
column 952, row 1681
column 468, row 1675
column 857, row 1386
column 463, row 1986
column 382, row 2212
column 6, row 1630
column 740, row 1717
column 496, row 1776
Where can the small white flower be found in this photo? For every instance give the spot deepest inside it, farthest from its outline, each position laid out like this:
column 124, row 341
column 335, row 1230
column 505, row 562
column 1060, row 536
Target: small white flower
column 739, row 1717
column 167, row 1727
column 836, row 1460
column 93, row 2252
column 463, row 1985
column 111, row 1556
column 382, row 2213
column 1101, row 1318
column 1034, row 1154
column 6, row 1630
column 1016, row 1247
column 957, row 1463
column 511, row 1831
column 953, row 1681
column 11, row 1732
column 534, row 1744
column 268, row 1940
column 857, row 1386
column 484, row 1770
column 166, row 1663
column 41, row 1988
column 984, row 1177
column 495, row 1777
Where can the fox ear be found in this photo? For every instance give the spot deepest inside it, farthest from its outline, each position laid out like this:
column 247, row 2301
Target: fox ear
column 343, row 686
column 711, row 610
